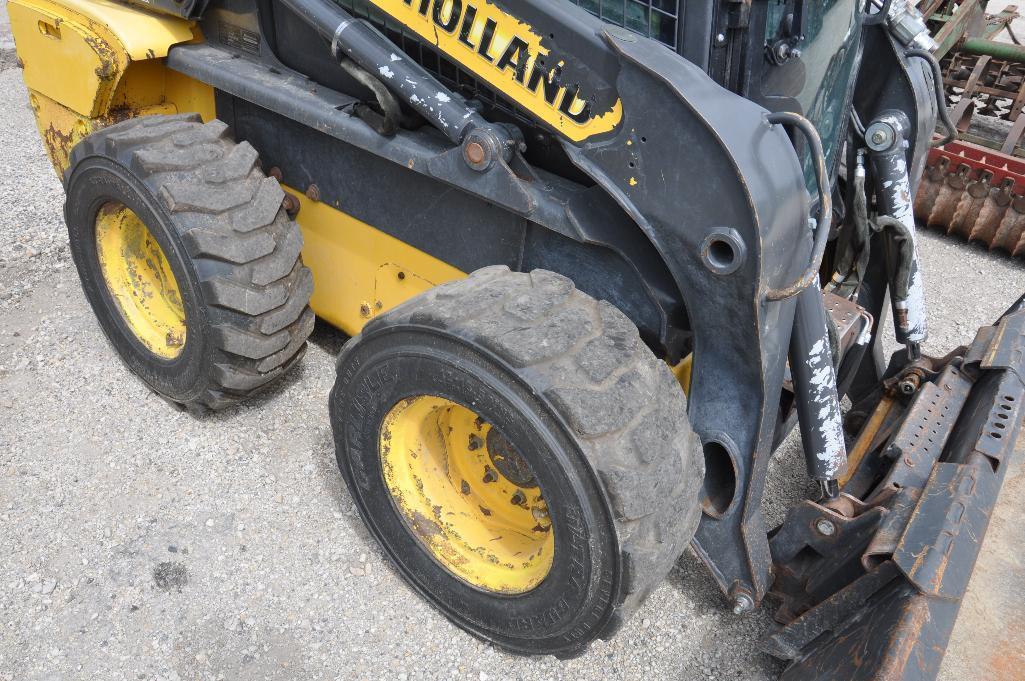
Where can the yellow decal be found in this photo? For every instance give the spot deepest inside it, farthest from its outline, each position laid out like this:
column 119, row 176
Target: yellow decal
column 508, row 55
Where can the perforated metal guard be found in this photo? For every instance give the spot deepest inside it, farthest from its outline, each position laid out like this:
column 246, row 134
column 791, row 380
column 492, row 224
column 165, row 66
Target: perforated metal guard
column 656, row 19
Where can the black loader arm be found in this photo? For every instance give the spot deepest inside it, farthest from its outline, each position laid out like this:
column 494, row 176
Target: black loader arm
column 720, row 192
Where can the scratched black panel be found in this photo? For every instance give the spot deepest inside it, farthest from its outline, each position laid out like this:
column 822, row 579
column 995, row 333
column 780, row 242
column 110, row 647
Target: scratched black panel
column 445, row 222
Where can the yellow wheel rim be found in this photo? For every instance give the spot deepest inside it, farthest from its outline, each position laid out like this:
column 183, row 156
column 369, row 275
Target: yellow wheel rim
column 139, row 279
column 467, row 495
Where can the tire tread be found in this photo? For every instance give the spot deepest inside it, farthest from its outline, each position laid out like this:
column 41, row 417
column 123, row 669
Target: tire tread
column 623, row 405
column 245, row 251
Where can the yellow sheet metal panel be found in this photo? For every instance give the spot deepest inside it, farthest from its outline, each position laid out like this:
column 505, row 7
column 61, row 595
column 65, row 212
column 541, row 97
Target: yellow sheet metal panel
column 147, row 88
column 147, row 84
column 359, row 271
column 59, row 127
column 189, row 95
column 395, row 284
column 142, row 35
column 141, row 85
column 76, row 51
column 65, row 60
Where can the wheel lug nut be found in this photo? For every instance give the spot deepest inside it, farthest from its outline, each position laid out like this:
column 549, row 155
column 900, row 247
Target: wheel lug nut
column 490, row 476
column 519, row 499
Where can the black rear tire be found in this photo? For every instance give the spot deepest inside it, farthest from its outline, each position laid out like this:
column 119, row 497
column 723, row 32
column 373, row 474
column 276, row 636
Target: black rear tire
column 232, row 249
column 599, row 419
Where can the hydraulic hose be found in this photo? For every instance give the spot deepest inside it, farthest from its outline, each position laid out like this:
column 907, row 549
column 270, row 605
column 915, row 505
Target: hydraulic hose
column 941, row 97
column 859, row 127
column 825, row 211
column 387, row 122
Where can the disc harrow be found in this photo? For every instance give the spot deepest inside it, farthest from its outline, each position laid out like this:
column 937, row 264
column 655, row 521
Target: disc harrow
column 974, row 187
column 975, row 193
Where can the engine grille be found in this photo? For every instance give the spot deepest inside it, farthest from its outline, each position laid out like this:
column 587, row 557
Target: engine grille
column 658, row 19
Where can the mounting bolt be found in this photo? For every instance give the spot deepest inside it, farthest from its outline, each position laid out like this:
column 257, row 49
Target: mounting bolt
column 290, row 204
column 910, row 384
column 275, row 172
column 313, row 192
column 825, row 527
column 475, row 154
column 743, row 603
column 880, row 135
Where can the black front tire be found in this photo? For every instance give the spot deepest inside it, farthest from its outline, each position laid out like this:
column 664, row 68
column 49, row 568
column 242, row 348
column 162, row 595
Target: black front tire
column 601, row 421
column 232, row 249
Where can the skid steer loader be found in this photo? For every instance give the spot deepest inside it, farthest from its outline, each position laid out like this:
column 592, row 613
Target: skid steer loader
column 687, row 223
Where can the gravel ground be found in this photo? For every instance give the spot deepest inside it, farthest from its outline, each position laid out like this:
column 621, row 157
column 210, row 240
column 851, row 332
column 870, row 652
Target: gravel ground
column 137, row 542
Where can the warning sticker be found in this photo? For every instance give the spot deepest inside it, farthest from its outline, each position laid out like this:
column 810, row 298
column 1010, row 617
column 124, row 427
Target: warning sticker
column 239, row 38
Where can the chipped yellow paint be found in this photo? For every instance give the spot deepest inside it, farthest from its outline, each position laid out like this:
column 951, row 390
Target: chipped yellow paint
column 441, row 466
column 634, row 182
column 65, row 59
column 393, row 285
column 76, row 51
column 61, row 128
column 91, row 63
column 467, row 51
column 140, row 280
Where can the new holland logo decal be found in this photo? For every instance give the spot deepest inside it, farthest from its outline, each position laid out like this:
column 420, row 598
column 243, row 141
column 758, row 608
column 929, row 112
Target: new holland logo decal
column 510, row 56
